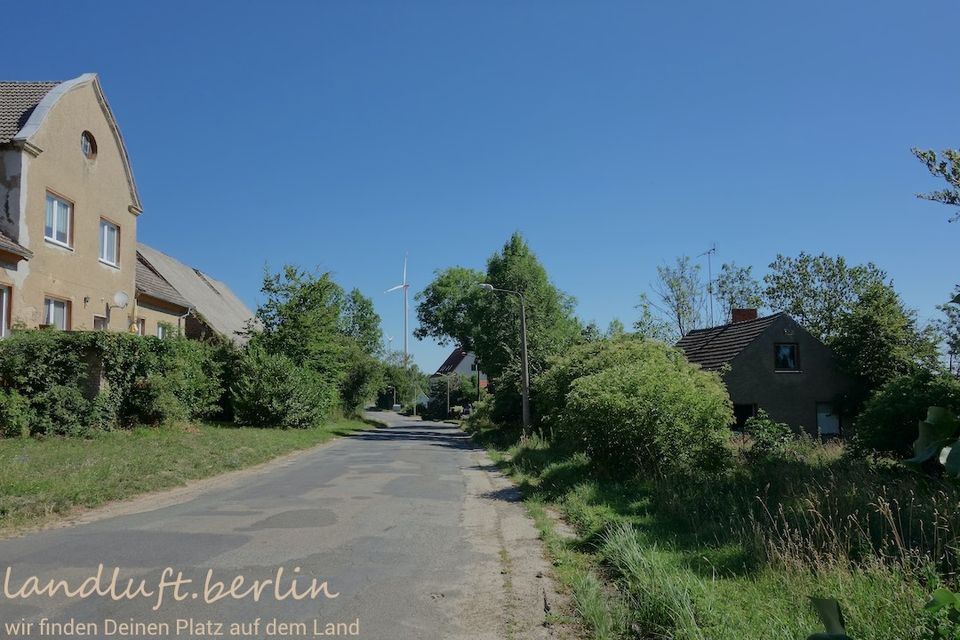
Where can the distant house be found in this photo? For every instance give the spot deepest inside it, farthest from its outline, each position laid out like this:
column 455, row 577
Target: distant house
column 772, row 363
column 166, row 287
column 463, row 363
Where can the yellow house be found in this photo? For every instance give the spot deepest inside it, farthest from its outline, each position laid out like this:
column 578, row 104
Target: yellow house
column 68, row 209
column 69, row 256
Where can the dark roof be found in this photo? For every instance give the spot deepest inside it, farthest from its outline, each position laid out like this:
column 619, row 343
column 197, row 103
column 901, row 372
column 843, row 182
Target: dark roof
column 152, row 284
column 714, row 347
column 17, row 102
column 452, row 361
column 8, row 245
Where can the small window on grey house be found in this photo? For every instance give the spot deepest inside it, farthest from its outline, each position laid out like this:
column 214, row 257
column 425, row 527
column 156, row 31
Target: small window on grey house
column 786, row 357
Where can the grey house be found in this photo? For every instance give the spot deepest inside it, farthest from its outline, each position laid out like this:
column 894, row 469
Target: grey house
column 772, row 363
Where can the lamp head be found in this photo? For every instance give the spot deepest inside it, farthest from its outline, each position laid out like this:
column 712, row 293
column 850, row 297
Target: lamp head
column 486, row 286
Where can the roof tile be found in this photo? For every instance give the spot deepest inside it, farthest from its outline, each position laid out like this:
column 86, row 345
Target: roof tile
column 714, row 347
column 17, row 102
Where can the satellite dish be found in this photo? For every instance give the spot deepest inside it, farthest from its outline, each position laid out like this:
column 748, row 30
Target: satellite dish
column 121, row 299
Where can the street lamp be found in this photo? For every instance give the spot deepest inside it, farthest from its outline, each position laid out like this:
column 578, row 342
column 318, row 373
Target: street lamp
column 523, row 351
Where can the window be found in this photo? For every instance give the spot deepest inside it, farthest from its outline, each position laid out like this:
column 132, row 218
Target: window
column 100, row 323
column 141, row 327
column 163, row 330
column 109, row 243
column 4, row 311
column 57, row 227
column 56, row 313
column 88, row 145
column 786, row 357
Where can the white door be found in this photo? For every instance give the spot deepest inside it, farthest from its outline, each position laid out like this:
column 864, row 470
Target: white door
column 828, row 423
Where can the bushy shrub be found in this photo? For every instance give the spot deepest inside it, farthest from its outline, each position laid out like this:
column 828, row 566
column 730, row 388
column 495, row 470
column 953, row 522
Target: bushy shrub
column 658, row 414
column 888, row 422
column 550, row 389
column 60, row 411
column 770, row 438
column 15, row 414
column 360, row 384
column 271, row 391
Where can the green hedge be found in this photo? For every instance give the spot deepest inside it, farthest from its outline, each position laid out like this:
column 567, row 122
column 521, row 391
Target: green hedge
column 70, row 383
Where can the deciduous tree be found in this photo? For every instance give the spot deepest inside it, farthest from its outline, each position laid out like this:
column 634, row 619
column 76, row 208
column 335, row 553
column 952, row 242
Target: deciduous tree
column 946, row 166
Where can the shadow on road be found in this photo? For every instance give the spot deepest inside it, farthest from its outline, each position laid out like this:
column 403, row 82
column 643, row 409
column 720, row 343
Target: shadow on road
column 441, row 435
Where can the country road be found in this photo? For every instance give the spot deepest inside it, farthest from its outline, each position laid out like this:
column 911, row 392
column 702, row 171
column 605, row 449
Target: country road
column 410, row 524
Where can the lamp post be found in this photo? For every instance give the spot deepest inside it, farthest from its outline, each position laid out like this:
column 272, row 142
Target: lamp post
column 523, row 351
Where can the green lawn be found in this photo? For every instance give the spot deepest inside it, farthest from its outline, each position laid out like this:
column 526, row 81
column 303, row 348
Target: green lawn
column 41, row 479
column 632, row 572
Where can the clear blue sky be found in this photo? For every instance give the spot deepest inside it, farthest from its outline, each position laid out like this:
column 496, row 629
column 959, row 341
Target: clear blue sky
column 615, row 136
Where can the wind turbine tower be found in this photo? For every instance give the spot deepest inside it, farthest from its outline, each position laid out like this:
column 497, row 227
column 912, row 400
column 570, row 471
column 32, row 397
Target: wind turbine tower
column 405, row 286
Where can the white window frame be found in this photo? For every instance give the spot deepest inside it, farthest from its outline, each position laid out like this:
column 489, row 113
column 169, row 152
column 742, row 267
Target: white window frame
column 105, row 225
column 49, row 304
column 141, row 326
column 162, row 330
column 55, row 217
column 6, row 293
column 106, row 323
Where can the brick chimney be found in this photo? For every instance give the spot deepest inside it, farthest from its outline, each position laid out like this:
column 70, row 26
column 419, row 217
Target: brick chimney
column 742, row 315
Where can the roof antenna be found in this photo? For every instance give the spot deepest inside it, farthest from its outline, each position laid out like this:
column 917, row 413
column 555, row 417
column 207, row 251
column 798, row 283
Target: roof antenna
column 709, row 253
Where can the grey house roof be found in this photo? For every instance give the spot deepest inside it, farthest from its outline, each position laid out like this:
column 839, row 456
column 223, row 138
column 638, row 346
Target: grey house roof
column 218, row 306
column 152, row 284
column 17, row 102
column 714, row 347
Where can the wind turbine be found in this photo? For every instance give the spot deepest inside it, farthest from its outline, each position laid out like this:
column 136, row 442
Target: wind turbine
column 406, row 287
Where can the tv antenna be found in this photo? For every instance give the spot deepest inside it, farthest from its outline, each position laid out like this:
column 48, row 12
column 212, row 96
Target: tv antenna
column 710, row 253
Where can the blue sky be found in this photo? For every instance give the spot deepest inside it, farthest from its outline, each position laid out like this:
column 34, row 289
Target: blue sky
column 615, row 136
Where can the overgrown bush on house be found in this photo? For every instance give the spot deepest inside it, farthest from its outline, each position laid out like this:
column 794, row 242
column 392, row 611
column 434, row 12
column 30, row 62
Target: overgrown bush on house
column 888, row 422
column 271, row 391
column 659, row 414
column 61, row 410
column 77, row 382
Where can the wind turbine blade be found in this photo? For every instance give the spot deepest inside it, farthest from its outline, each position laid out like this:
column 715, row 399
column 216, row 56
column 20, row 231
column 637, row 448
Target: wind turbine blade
column 404, row 269
column 399, row 286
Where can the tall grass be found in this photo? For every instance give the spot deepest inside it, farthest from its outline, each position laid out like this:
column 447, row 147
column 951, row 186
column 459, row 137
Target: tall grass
column 737, row 554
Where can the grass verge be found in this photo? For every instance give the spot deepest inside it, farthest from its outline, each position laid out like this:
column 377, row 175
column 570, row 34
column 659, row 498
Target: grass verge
column 634, row 571
column 41, row 479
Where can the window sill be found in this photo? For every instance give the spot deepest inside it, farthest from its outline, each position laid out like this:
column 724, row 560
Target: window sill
column 109, row 264
column 57, row 243
column 788, row 370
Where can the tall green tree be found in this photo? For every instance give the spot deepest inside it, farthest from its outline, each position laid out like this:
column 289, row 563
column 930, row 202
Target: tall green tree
column 453, row 308
column 300, row 319
column 678, row 294
column 450, row 308
column 360, row 321
column 650, row 325
column 947, row 167
column 949, row 328
column 737, row 289
column 818, row 291
column 879, row 339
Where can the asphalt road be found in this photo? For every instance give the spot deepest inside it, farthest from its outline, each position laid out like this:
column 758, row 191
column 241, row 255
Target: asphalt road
column 410, row 525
